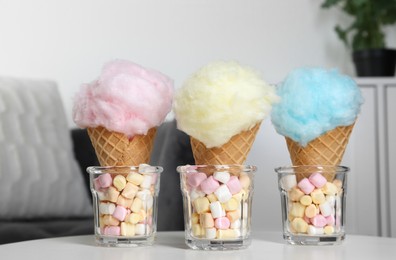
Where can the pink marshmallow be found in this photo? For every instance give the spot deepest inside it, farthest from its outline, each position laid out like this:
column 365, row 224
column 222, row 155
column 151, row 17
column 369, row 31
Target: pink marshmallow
column 120, row 213
column 306, row 186
column 103, row 181
column 222, row 223
column 112, row 231
column 209, row 185
column 194, row 179
column 330, row 220
column 234, row 185
column 317, row 179
column 319, row 221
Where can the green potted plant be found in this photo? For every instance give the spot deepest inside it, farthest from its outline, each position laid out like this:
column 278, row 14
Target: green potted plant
column 365, row 36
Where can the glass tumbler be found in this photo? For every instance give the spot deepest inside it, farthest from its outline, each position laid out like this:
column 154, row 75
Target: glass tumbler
column 125, row 204
column 313, row 203
column 217, row 205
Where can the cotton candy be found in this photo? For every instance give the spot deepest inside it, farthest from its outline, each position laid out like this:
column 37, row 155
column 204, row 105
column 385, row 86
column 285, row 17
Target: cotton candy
column 314, row 101
column 126, row 98
column 221, row 100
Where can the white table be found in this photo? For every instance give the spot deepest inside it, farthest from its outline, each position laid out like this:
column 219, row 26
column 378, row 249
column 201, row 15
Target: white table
column 170, row 245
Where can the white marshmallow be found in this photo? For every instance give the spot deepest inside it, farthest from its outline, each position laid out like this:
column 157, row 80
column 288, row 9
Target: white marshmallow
column 216, row 209
column 194, row 194
column 288, row 182
column 210, row 233
column 223, row 194
column 106, row 208
column 140, row 229
column 145, row 168
column 144, row 194
column 331, row 200
column 236, row 224
column 148, row 203
column 325, row 209
column 314, row 230
column 222, row 177
column 146, row 182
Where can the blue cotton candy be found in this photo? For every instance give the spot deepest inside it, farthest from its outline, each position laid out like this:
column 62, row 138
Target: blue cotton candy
column 314, row 101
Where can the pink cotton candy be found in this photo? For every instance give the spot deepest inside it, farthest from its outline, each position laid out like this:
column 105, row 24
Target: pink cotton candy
column 126, row 98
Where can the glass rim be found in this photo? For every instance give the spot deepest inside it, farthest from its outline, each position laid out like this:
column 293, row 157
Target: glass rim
column 291, row 169
column 104, row 169
column 243, row 167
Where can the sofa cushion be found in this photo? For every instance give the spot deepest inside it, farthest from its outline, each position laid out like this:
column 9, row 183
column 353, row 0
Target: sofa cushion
column 39, row 176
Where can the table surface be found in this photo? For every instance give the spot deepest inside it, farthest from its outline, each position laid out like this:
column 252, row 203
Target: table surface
column 170, row 245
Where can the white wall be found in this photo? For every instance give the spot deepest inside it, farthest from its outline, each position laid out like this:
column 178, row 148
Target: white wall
column 69, row 40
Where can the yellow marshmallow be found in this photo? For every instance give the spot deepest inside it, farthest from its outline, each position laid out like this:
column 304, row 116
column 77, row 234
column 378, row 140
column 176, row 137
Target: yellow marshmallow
column 230, row 205
column 311, row 211
column 196, row 230
column 112, row 194
column 233, row 215
column 136, row 205
column 135, row 178
column 317, row 196
column 297, row 210
column 242, row 195
column 245, row 181
column 226, row 234
column 109, row 220
column 206, row 220
column 212, row 197
column 122, row 201
column 295, row 194
column 194, row 218
column 201, row 205
column 330, row 189
column 306, row 200
column 119, row 182
column 299, row 225
column 328, row 230
column 133, row 218
column 127, row 229
column 130, row 190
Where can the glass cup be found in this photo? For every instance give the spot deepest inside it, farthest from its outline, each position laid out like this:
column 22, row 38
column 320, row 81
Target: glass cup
column 313, row 203
column 217, row 205
column 125, row 204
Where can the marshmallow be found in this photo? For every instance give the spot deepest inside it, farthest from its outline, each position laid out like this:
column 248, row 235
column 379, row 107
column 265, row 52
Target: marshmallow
column 127, row 229
column 297, row 210
column 104, row 180
column 133, row 218
column 306, row 186
column 146, row 168
column 231, row 204
column 196, row 193
column 106, row 208
column 222, row 223
column 306, row 200
column 120, row 213
column 330, row 220
column 194, row 218
column 210, row 233
column 201, row 205
column 122, row 201
column 112, row 194
column 331, row 200
column 136, row 205
column 330, row 189
column 109, row 220
column 287, row 182
column 314, row 230
column 328, row 230
column 148, row 203
column 319, row 221
column 245, row 181
column 144, row 194
column 234, row 185
column 240, row 195
column 130, row 190
column 295, row 194
column 209, row 185
column 222, row 177
column 112, row 231
column 119, row 182
column 235, row 224
column 135, row 178
column 226, row 234
column 196, row 230
column 317, row 179
column 140, row 229
column 310, row 211
column 216, row 209
column 299, row 225
column 233, row 216
column 325, row 209
column 194, row 179
column 146, row 183
column 223, row 194
column 206, row 220
column 211, row 197
column 317, row 196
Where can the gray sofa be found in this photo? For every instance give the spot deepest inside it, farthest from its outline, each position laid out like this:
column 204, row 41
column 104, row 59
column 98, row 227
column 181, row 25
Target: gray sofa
column 171, row 148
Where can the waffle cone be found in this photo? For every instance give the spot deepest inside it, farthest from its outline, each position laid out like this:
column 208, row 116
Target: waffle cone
column 327, row 149
column 234, row 151
column 116, row 149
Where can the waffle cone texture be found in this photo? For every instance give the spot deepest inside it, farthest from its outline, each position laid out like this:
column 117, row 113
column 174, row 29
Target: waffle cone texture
column 234, row 151
column 116, row 149
column 327, row 149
